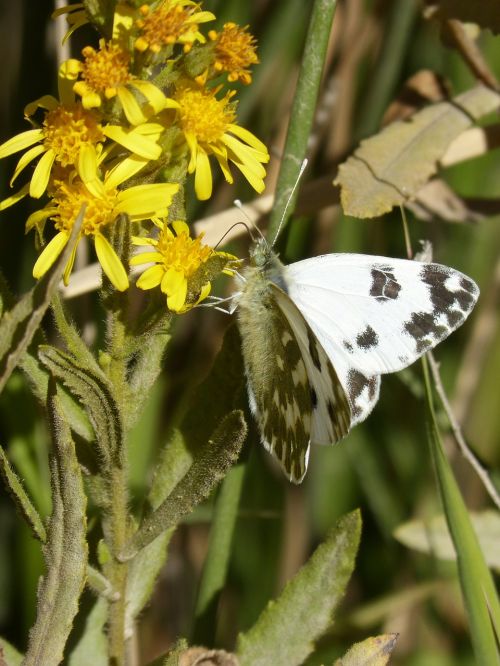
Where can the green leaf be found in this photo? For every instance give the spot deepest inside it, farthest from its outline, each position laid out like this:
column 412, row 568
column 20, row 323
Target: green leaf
column 433, row 536
column 374, row 651
column 389, row 168
column 9, row 656
column 23, row 502
column 96, row 394
column 143, row 572
column 209, row 466
column 478, row 589
column 18, row 325
column 92, row 648
column 66, row 549
column 219, row 552
column 287, row 629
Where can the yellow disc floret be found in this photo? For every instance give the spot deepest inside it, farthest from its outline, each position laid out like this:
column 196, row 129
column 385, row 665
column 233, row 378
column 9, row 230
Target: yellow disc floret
column 235, row 51
column 171, row 22
column 203, row 115
column 69, row 199
column 65, row 129
column 106, row 69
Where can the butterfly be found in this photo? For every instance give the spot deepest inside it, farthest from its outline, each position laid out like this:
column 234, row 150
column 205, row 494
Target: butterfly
column 318, row 334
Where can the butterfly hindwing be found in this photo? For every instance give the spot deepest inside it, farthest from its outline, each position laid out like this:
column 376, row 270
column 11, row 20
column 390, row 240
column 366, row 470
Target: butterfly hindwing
column 294, row 392
column 331, row 415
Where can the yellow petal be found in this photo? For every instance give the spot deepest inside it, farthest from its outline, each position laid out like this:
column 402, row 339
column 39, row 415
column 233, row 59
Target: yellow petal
column 131, row 107
column 203, row 176
column 124, row 170
column 179, row 226
column 48, row 102
column 69, row 265
column 133, row 141
column 41, row 174
column 144, row 201
column 251, row 139
column 25, row 159
column 111, row 263
column 174, row 285
column 20, row 142
column 145, row 258
column 146, row 242
column 151, row 277
column 39, row 217
column 14, row 198
column 50, row 254
column 154, row 96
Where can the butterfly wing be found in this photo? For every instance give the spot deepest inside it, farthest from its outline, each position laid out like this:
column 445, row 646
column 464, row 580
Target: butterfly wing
column 331, row 414
column 375, row 315
column 285, row 386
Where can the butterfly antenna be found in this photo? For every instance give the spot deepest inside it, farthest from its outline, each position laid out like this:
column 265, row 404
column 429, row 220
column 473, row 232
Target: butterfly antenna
column 241, row 208
column 229, row 231
column 287, row 206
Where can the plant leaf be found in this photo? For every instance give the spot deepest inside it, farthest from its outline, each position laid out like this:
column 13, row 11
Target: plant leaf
column 23, row 502
column 96, row 393
column 433, row 536
column 287, row 629
column 478, row 589
column 209, row 466
column 389, row 168
column 484, row 13
column 19, row 324
column 66, row 549
column 9, row 656
column 92, row 648
column 374, row 651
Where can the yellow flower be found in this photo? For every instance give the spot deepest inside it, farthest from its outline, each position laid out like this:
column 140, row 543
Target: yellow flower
column 104, row 202
column 171, row 22
column 106, row 74
column 183, row 267
column 209, row 128
column 234, row 52
column 68, row 130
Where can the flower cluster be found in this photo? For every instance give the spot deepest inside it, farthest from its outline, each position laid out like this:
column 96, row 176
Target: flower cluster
column 142, row 112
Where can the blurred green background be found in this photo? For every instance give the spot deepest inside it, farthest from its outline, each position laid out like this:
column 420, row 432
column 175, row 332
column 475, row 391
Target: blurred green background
column 383, row 466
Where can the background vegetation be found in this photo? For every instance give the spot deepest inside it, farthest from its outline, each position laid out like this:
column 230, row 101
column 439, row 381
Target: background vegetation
column 384, row 466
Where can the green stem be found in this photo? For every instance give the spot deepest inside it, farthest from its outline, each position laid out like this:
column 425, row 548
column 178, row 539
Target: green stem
column 302, row 114
column 118, row 570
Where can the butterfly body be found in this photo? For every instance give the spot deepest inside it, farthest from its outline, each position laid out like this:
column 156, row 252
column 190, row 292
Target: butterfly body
column 317, row 335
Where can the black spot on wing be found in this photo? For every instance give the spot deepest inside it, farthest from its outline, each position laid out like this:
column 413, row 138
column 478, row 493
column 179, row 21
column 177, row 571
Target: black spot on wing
column 313, row 349
column 314, row 398
column 421, row 326
column 357, row 383
column 454, row 304
column 347, row 346
column 367, row 338
column 384, row 285
column 331, row 409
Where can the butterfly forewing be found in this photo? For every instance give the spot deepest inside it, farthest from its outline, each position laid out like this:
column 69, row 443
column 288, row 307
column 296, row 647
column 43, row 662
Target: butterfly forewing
column 375, row 315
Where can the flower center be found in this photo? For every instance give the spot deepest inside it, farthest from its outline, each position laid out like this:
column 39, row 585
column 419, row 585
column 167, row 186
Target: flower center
column 234, row 51
column 163, row 26
column 204, row 116
column 69, row 199
column 183, row 253
column 66, row 128
column 107, row 68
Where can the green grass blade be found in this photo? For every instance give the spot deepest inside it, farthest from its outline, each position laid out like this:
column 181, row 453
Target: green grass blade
column 302, row 115
column 217, row 561
column 478, row 589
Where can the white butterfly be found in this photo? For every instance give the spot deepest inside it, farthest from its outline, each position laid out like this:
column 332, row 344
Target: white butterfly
column 317, row 335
